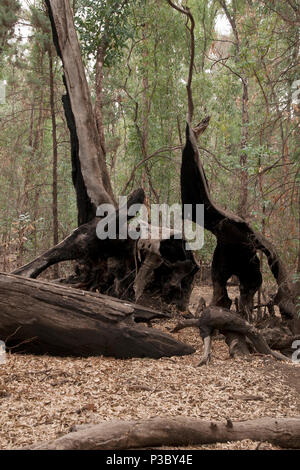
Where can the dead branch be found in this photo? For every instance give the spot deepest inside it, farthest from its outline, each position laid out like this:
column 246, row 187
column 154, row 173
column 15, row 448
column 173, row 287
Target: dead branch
column 186, row 11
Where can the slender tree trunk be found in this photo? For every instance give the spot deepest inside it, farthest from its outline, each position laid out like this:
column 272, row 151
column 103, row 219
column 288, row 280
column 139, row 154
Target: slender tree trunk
column 190, row 25
column 297, row 287
column 243, row 198
column 54, row 161
column 35, row 217
column 99, row 92
column 34, row 140
column 145, row 110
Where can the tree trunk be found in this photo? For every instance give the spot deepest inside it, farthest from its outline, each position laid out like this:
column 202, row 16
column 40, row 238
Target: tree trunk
column 243, row 197
column 91, row 158
column 237, row 243
column 42, row 318
column 84, row 245
column 54, row 162
column 113, row 267
column 179, row 431
column 109, row 267
column 99, row 92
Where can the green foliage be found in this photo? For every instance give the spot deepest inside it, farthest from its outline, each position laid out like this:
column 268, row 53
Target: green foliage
column 9, row 10
column 42, row 28
column 8, row 17
column 105, row 21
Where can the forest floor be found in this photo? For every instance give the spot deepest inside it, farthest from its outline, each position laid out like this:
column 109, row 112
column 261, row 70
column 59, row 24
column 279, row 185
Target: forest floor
column 41, row 397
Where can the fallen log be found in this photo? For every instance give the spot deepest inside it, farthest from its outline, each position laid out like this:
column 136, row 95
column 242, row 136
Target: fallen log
column 179, row 431
column 43, row 318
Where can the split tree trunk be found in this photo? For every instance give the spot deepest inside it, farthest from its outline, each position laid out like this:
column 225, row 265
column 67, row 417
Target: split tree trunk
column 180, row 431
column 110, row 266
column 43, row 318
column 237, row 242
column 113, row 267
column 91, row 157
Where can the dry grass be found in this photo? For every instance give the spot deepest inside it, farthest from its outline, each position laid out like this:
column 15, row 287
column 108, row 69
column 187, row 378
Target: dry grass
column 42, row 397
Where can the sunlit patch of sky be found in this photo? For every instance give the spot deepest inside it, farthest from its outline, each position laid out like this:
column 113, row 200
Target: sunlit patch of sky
column 222, row 25
column 22, row 28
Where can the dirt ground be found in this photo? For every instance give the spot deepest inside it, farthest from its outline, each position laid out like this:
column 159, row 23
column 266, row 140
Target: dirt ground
column 42, row 397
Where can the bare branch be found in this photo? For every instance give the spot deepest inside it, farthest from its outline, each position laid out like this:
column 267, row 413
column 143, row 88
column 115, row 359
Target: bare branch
column 155, row 154
column 186, row 11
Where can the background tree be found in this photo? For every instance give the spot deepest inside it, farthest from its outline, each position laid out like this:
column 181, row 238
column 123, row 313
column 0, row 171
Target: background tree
column 9, row 10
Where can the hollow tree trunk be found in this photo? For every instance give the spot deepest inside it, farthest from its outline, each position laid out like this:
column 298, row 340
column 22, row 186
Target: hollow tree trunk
column 178, row 431
column 44, row 318
column 92, row 161
column 237, row 242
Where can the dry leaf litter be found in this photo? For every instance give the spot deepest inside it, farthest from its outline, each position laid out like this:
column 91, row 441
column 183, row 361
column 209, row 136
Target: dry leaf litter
column 41, row 397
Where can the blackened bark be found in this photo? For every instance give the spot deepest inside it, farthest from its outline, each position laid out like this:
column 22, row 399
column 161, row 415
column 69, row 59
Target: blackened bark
column 92, row 160
column 86, row 210
column 237, row 242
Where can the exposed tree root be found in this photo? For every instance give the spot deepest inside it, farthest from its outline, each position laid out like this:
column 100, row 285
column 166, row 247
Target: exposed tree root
column 227, row 323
